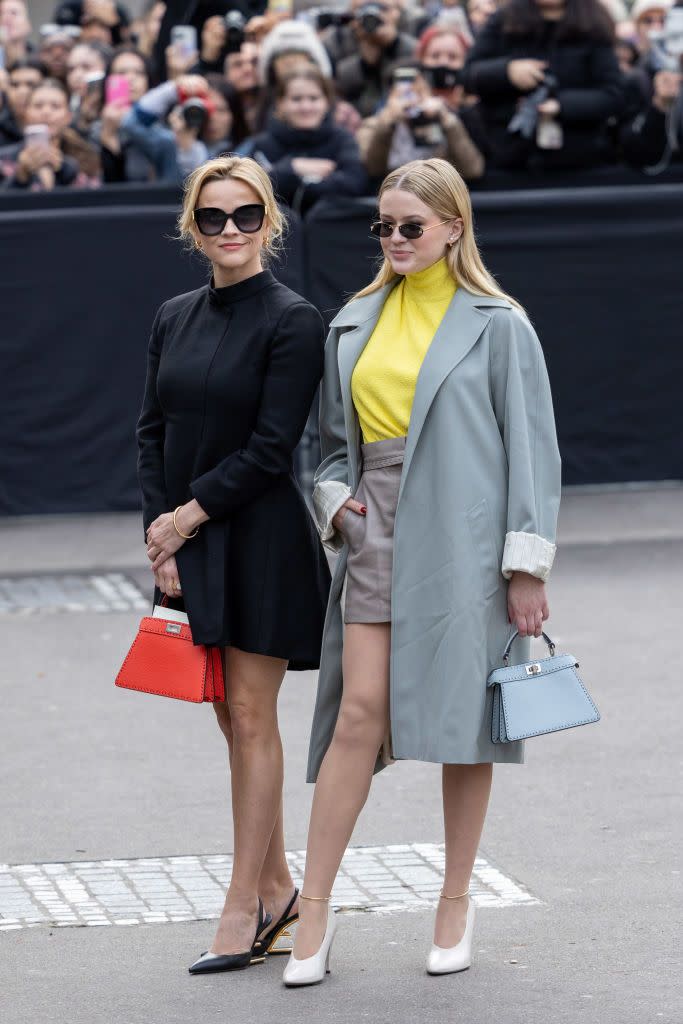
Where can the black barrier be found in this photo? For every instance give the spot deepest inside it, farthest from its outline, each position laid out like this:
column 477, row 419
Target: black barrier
column 598, row 271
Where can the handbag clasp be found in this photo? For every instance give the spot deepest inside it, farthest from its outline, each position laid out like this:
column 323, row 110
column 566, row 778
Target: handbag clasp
column 173, row 627
column 534, row 669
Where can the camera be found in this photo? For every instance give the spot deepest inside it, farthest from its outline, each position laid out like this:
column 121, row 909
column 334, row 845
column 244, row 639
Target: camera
column 370, row 17
column 324, row 18
column 195, row 113
column 235, row 24
column 525, row 119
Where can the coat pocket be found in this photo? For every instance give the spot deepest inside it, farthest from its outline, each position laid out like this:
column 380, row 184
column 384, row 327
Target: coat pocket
column 351, row 523
column 486, row 552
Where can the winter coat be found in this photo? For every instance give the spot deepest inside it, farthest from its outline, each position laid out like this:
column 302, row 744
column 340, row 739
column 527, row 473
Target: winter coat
column 478, row 499
column 590, row 91
column 276, row 147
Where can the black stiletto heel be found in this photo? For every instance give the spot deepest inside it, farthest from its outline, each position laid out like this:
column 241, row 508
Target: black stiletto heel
column 213, row 963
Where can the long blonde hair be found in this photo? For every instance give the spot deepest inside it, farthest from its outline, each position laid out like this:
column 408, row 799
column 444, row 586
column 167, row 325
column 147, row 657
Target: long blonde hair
column 242, row 168
column 437, row 184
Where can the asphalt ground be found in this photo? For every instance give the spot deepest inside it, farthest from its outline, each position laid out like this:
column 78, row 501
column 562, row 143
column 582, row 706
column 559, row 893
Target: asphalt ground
column 590, row 826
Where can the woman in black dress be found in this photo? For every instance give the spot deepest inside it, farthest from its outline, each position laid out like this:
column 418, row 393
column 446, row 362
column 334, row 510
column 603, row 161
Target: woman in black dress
column 233, row 368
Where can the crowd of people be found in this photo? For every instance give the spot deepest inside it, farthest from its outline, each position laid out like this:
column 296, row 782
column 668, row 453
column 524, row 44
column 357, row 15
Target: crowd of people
column 330, row 99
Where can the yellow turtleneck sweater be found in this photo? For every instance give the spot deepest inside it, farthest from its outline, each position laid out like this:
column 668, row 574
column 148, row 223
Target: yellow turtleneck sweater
column 384, row 378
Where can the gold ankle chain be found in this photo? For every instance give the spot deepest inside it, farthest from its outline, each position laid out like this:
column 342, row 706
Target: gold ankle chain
column 315, row 899
column 458, row 897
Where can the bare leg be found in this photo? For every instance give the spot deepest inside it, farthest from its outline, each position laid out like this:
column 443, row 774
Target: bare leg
column 275, row 884
column 252, row 685
column 346, row 772
column 466, row 789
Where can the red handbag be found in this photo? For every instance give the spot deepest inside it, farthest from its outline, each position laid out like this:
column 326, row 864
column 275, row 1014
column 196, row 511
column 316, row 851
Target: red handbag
column 163, row 660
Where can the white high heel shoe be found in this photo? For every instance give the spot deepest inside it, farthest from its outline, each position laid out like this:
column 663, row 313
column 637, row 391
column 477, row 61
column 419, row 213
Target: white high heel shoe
column 456, row 958
column 312, row 970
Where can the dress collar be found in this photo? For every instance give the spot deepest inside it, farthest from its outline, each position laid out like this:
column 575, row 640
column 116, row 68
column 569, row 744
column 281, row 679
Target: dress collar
column 232, row 293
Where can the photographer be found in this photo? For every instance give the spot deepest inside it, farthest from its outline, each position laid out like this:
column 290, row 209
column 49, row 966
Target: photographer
column 305, row 153
column 100, row 21
column 363, row 76
column 416, row 124
column 197, row 13
column 200, row 125
column 655, row 135
column 548, row 80
column 39, row 162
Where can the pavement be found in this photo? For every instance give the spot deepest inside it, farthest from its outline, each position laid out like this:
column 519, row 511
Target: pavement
column 579, row 875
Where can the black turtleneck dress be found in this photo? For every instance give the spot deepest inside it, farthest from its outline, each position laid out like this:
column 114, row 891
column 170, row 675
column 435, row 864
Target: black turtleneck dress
column 231, row 376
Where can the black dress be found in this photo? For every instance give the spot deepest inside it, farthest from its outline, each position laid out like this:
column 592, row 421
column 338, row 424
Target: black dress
column 232, row 373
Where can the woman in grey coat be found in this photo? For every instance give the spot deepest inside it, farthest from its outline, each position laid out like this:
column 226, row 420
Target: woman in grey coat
column 439, row 487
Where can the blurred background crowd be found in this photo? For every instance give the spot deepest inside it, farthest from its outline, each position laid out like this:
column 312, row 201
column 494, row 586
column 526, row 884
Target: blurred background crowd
column 328, row 99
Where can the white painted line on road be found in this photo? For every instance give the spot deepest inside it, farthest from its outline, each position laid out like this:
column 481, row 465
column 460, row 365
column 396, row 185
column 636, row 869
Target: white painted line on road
column 161, row 890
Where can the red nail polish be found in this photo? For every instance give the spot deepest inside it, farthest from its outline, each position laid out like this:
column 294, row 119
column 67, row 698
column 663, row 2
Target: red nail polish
column 363, row 510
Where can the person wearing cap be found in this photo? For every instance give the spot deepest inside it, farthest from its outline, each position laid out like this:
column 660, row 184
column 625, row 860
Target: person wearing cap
column 55, row 47
column 648, row 17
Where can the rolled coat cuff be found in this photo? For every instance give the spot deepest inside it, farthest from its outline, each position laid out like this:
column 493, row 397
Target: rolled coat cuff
column 328, row 498
column 527, row 552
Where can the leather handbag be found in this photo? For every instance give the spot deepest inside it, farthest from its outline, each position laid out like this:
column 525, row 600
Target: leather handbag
column 537, row 697
column 163, row 660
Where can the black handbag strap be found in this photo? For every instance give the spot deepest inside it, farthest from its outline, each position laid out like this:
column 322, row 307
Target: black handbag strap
column 515, row 634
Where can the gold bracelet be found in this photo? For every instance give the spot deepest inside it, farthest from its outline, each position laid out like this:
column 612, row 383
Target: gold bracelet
column 185, row 536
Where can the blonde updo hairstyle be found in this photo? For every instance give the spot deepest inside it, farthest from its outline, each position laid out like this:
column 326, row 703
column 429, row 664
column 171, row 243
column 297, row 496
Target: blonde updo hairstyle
column 438, row 185
column 241, row 168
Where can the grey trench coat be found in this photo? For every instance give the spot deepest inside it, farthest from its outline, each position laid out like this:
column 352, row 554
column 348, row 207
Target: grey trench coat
column 479, row 496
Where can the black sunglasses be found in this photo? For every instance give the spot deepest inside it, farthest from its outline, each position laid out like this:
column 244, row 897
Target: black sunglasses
column 211, row 221
column 411, row 230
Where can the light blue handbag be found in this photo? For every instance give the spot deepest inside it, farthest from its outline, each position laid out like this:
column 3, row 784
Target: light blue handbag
column 538, row 696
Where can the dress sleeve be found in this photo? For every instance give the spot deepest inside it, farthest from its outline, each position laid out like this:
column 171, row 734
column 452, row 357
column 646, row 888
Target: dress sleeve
column 331, row 482
column 524, row 411
column 150, row 435
column 292, row 375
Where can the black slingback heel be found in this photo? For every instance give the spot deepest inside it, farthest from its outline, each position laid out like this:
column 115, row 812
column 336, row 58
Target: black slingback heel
column 213, row 963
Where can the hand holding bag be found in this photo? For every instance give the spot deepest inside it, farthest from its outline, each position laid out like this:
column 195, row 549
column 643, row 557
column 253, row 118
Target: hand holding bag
column 537, row 697
column 163, row 660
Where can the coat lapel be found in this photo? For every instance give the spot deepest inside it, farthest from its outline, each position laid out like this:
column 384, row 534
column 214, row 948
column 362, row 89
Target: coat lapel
column 460, row 329
column 361, row 316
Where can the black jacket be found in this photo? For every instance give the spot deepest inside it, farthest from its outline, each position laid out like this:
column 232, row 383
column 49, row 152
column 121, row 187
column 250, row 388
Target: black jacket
column 276, row 147
column 590, row 91
column 231, row 377
column 652, row 138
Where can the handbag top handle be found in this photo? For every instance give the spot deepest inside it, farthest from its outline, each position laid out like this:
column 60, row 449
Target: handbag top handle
column 506, row 652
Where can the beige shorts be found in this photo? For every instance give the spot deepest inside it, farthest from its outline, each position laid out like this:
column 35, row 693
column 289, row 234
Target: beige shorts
column 370, row 538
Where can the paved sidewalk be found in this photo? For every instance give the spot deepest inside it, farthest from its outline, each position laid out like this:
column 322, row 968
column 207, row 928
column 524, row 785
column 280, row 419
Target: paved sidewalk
column 587, row 831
